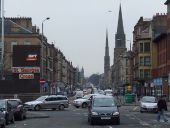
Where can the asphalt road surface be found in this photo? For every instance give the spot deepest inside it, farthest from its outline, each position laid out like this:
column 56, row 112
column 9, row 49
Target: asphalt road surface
column 77, row 118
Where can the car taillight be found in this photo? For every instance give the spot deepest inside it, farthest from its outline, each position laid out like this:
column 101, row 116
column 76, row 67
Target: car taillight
column 18, row 109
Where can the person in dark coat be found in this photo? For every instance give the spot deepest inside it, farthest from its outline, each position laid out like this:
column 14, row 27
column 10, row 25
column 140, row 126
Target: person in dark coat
column 162, row 107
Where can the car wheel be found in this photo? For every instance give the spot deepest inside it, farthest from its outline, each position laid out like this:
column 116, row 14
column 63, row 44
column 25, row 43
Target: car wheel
column 118, row 121
column 77, row 106
column 37, row 108
column 61, row 107
column 91, row 121
column 84, row 105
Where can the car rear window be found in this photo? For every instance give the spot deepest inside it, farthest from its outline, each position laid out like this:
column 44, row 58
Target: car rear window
column 104, row 102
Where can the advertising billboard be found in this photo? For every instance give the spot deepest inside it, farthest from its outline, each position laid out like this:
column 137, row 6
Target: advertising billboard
column 26, row 56
column 26, row 62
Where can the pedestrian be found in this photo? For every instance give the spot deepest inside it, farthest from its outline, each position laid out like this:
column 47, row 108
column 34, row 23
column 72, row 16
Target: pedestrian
column 162, row 107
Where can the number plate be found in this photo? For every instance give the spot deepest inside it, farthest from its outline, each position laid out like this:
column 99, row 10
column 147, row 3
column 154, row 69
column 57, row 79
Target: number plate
column 105, row 118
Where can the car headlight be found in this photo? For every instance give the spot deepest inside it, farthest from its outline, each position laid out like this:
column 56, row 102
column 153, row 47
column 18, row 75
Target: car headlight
column 143, row 106
column 94, row 113
column 115, row 113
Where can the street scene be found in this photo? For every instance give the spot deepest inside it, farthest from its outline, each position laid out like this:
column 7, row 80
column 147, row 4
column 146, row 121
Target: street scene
column 72, row 117
column 85, row 64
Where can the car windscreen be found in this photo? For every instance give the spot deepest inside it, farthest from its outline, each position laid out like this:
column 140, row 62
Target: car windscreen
column 2, row 104
column 104, row 102
column 149, row 99
column 13, row 103
column 86, row 96
column 42, row 98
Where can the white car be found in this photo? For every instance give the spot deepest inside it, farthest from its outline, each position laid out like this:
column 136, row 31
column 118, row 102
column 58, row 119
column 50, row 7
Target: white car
column 83, row 102
column 148, row 104
column 108, row 92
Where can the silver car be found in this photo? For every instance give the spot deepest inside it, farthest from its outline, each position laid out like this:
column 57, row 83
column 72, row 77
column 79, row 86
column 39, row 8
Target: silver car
column 2, row 119
column 48, row 102
column 148, row 104
column 84, row 101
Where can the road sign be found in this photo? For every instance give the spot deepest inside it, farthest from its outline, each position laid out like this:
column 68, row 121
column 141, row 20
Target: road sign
column 42, row 81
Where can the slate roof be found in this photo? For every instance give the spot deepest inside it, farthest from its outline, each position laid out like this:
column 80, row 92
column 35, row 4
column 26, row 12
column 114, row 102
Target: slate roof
column 9, row 24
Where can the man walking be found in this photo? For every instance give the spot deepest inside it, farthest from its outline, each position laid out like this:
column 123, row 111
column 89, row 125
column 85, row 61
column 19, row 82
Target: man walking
column 162, row 107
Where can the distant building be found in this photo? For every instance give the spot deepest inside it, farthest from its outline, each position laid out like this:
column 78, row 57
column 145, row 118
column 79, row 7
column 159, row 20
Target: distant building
column 107, row 82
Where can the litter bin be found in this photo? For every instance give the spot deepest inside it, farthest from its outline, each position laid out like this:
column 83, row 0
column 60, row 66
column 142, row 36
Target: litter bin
column 129, row 98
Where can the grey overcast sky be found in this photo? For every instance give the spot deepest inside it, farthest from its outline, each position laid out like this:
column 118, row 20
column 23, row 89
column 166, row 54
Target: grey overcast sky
column 78, row 27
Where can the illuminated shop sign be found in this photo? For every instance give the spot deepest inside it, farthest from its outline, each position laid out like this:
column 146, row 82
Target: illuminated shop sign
column 26, row 76
column 31, row 57
column 25, row 69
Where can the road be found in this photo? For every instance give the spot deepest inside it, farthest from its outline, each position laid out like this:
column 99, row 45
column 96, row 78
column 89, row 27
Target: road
column 77, row 118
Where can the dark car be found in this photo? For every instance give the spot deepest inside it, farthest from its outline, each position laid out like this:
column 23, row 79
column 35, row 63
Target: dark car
column 18, row 109
column 6, row 107
column 102, row 109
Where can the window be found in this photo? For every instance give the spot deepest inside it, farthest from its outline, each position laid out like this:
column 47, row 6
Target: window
column 126, row 62
column 146, row 47
column 147, row 61
column 141, row 47
column 147, row 73
column 141, row 61
column 141, row 73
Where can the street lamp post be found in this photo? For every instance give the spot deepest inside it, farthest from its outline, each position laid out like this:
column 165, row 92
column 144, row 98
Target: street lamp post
column 42, row 48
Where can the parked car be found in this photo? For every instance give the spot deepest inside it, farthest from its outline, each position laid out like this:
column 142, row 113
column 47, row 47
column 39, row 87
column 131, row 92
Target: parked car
column 83, row 102
column 18, row 109
column 48, row 102
column 2, row 119
column 103, row 108
column 6, row 107
column 148, row 104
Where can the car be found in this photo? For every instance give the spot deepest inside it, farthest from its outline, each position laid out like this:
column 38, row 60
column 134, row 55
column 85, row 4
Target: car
column 48, row 102
column 79, row 94
column 84, row 101
column 2, row 119
column 103, row 108
column 18, row 109
column 108, row 92
column 6, row 107
column 148, row 104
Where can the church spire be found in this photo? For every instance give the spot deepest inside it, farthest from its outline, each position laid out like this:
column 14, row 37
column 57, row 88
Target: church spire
column 120, row 36
column 106, row 57
column 107, row 63
column 107, row 45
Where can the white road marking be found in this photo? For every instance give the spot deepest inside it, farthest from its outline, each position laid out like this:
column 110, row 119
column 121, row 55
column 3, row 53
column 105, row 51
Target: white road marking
column 144, row 123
